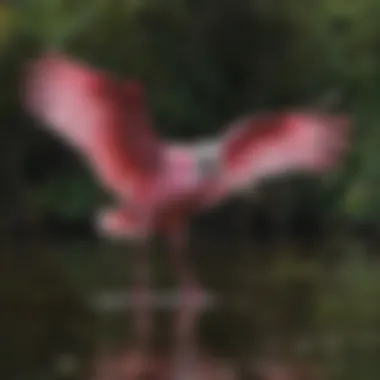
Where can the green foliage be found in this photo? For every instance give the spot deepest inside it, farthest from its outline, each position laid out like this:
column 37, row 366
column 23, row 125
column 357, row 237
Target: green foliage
column 206, row 62
column 69, row 196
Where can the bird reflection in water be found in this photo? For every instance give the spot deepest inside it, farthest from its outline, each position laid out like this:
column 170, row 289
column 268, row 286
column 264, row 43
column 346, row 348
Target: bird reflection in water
column 185, row 360
column 188, row 360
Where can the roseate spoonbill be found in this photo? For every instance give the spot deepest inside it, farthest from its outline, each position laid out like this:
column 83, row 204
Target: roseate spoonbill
column 158, row 184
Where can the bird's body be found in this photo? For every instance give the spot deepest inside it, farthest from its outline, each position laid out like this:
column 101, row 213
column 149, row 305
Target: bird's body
column 175, row 192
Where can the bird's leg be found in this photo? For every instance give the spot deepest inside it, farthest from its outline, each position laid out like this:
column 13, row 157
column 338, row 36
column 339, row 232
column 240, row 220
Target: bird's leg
column 191, row 304
column 190, row 289
column 143, row 319
column 190, row 307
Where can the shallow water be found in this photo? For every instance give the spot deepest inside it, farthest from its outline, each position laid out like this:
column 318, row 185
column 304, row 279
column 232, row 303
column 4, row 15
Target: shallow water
column 282, row 311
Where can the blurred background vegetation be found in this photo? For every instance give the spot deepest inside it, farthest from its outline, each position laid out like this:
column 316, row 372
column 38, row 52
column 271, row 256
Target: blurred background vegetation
column 203, row 64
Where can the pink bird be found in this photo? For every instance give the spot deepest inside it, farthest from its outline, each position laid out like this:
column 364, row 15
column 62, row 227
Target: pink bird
column 159, row 184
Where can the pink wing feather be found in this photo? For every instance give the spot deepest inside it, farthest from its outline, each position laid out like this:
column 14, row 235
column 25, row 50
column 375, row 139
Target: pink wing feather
column 274, row 144
column 106, row 120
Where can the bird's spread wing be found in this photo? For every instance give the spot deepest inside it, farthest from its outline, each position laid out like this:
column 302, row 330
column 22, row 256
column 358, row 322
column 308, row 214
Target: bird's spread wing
column 105, row 119
column 274, row 144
